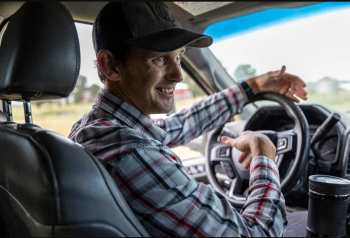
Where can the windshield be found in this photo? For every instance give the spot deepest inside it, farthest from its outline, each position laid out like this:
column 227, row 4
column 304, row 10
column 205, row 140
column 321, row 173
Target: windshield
column 313, row 42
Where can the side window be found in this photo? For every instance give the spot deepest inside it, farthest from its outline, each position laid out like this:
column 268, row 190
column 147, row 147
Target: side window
column 187, row 93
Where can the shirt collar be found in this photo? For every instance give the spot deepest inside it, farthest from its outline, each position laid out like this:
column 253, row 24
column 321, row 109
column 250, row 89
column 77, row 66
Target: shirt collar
column 129, row 115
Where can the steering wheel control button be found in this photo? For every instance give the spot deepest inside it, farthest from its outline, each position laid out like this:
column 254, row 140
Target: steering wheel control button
column 223, row 152
column 201, row 168
column 193, row 170
column 226, row 184
column 226, row 166
column 282, row 144
column 196, row 169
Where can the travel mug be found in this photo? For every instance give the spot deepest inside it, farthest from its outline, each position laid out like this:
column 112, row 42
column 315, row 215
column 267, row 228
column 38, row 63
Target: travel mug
column 328, row 202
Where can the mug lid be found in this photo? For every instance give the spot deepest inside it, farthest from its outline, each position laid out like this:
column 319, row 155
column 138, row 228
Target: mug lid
column 329, row 185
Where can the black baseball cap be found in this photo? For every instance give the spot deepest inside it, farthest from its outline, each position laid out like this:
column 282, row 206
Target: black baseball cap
column 149, row 25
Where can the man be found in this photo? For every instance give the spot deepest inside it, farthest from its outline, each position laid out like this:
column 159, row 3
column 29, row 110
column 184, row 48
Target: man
column 139, row 47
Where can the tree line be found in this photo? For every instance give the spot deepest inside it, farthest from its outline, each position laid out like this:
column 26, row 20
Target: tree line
column 82, row 93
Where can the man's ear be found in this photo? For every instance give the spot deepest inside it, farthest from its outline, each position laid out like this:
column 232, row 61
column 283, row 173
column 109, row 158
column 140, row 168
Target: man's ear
column 106, row 64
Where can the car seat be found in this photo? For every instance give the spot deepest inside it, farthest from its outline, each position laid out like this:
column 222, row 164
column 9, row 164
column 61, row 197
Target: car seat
column 49, row 185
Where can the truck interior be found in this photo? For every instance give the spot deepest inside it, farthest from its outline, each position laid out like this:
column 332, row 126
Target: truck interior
column 51, row 186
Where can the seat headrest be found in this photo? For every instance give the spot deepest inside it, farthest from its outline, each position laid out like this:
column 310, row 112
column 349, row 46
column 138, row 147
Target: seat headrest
column 39, row 53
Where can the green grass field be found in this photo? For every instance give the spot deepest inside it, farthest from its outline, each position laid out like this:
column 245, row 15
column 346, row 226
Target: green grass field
column 53, row 116
column 340, row 101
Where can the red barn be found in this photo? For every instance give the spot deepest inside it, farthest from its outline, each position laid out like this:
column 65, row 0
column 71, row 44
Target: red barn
column 181, row 91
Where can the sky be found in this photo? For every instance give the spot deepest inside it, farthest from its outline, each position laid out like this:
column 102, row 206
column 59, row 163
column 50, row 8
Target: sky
column 312, row 48
column 87, row 67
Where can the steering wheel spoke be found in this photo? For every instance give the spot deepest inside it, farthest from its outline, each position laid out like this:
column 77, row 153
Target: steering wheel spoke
column 235, row 190
column 279, row 160
column 221, row 154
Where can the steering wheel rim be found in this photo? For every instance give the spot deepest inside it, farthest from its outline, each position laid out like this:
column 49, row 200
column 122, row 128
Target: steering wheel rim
column 302, row 133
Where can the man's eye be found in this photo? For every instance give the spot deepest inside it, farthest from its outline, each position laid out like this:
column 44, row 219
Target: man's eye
column 160, row 59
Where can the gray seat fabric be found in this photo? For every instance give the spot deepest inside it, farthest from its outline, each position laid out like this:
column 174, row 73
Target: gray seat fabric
column 49, row 185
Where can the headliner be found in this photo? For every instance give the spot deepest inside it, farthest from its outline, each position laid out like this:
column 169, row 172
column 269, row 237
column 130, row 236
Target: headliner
column 86, row 12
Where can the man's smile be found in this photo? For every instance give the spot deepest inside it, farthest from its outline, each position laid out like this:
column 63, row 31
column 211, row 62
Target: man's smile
column 169, row 91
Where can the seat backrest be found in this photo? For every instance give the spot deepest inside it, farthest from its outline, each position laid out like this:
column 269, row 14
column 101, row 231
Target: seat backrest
column 49, row 185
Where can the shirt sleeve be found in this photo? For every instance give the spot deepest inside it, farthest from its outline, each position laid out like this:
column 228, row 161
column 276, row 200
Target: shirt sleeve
column 168, row 202
column 203, row 116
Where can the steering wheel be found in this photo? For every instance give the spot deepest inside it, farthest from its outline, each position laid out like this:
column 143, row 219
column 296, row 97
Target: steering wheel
column 295, row 141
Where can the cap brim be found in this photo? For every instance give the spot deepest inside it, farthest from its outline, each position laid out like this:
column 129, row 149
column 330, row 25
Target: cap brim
column 172, row 39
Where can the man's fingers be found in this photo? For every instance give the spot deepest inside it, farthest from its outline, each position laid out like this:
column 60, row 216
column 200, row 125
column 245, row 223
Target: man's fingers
column 243, row 156
column 224, row 139
column 301, row 90
column 228, row 141
column 283, row 70
column 290, row 96
column 278, row 73
column 296, row 91
column 247, row 163
column 296, row 80
column 301, row 93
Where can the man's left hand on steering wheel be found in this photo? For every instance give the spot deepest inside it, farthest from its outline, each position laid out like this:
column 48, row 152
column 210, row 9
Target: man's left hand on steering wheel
column 279, row 82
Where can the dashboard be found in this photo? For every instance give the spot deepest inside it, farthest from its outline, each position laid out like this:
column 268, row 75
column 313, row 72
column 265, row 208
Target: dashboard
column 275, row 118
column 331, row 151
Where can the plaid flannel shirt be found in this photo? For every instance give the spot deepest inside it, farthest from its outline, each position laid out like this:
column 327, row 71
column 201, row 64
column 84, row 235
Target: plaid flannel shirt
column 155, row 184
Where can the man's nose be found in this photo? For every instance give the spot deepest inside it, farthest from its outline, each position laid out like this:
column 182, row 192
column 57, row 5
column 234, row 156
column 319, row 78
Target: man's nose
column 175, row 72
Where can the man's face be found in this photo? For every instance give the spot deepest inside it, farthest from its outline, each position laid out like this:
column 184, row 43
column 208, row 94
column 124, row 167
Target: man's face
column 149, row 78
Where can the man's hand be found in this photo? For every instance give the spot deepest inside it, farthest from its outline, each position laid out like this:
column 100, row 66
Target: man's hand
column 279, row 82
column 253, row 143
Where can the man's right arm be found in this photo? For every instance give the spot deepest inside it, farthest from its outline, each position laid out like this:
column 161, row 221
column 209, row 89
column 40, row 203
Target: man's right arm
column 168, row 201
column 265, row 205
